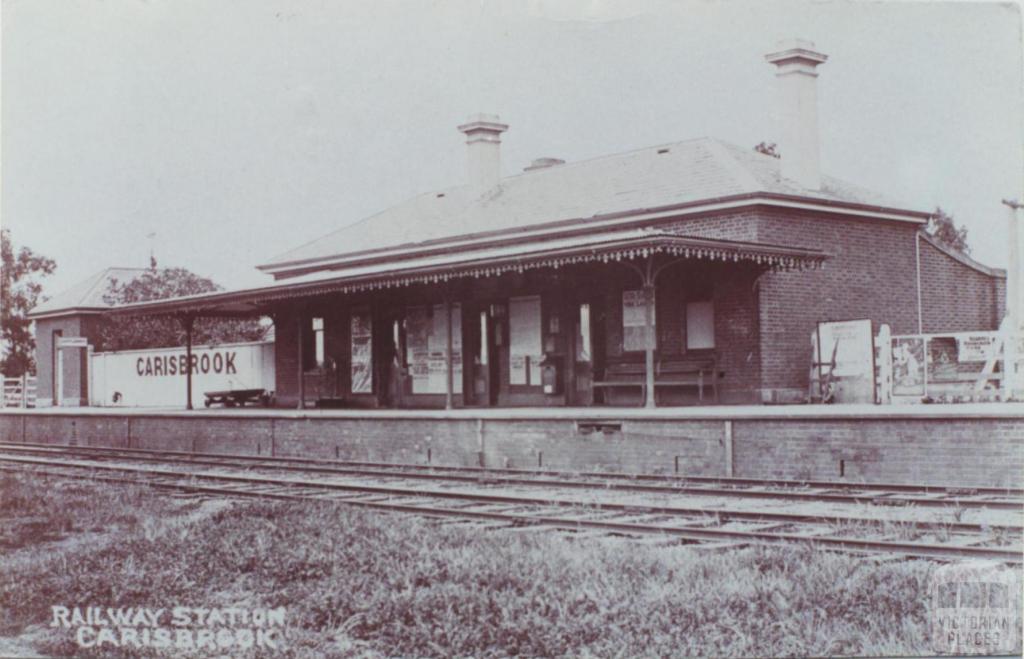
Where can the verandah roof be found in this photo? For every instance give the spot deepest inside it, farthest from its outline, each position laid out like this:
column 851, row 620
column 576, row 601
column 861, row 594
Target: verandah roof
column 484, row 262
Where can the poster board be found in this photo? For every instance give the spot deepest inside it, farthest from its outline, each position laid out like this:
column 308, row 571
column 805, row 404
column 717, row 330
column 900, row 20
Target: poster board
column 362, row 352
column 908, row 366
column 634, row 320
column 427, row 345
column 943, row 357
column 851, row 344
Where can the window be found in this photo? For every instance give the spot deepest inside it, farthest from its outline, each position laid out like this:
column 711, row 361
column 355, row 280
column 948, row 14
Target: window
column 524, row 337
column 318, row 332
column 634, row 320
column 700, row 325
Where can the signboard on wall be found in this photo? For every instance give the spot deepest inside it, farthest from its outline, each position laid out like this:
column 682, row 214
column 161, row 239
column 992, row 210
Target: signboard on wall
column 156, row 378
column 976, row 348
column 846, row 352
column 427, row 345
column 634, row 320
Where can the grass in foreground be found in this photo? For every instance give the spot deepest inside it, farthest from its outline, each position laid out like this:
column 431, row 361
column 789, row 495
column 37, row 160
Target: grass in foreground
column 357, row 584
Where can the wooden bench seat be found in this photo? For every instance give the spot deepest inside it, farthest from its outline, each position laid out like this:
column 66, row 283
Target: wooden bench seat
column 683, row 372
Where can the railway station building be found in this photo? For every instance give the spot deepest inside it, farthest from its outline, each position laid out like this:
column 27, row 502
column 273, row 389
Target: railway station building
column 689, row 272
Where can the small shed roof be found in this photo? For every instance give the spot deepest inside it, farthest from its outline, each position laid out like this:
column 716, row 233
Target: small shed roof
column 86, row 296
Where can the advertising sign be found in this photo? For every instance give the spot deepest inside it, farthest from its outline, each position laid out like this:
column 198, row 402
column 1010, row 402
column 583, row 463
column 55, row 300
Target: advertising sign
column 362, row 353
column 977, row 348
column 942, row 359
column 427, row 341
column 846, row 353
column 908, row 367
column 634, row 320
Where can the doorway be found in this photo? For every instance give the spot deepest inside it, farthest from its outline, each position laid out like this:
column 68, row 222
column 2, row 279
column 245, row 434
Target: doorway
column 481, row 333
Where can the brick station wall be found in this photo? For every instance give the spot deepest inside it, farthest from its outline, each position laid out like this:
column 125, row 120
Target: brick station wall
column 958, row 298
column 939, row 451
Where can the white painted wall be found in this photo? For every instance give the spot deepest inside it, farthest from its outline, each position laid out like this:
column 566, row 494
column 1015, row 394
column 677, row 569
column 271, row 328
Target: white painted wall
column 141, row 383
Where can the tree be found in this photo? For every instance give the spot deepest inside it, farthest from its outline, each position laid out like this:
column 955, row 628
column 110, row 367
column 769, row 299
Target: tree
column 942, row 227
column 135, row 332
column 21, row 292
column 768, row 149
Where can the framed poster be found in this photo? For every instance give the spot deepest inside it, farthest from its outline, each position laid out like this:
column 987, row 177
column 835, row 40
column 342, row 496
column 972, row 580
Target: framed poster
column 362, row 352
column 908, row 367
column 427, row 341
column 634, row 320
column 846, row 352
column 942, row 359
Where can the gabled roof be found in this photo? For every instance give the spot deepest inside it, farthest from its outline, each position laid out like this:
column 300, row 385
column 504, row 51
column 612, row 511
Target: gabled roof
column 660, row 177
column 86, row 296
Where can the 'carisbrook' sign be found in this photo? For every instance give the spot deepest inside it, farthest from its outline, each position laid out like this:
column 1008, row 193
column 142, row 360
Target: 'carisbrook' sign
column 222, row 361
column 156, row 378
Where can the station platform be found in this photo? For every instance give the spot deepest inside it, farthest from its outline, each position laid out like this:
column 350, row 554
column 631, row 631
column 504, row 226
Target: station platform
column 977, row 444
column 704, row 412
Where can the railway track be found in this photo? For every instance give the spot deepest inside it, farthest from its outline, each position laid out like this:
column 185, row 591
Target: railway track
column 237, row 476
column 925, row 496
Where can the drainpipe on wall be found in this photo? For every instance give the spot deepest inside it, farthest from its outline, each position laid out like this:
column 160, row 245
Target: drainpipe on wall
column 917, row 250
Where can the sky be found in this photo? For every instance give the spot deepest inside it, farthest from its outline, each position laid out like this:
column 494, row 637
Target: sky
column 221, row 133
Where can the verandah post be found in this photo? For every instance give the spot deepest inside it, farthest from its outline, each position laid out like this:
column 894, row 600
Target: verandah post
column 300, row 357
column 448, row 353
column 649, row 343
column 188, row 322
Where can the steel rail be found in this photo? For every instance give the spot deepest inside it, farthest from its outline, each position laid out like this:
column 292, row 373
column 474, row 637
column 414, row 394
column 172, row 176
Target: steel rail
column 725, row 480
column 873, row 496
column 693, row 534
column 720, row 515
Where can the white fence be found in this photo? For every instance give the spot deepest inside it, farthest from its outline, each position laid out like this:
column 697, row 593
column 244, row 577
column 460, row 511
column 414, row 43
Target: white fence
column 950, row 367
column 20, row 392
column 156, row 378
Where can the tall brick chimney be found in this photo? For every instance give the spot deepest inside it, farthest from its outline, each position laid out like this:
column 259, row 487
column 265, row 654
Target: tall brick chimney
column 483, row 138
column 796, row 78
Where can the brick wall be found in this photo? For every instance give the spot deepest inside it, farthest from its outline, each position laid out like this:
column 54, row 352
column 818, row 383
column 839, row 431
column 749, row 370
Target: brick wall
column 980, row 451
column 956, row 297
column 762, row 330
column 75, row 375
column 871, row 273
column 952, row 451
column 286, row 366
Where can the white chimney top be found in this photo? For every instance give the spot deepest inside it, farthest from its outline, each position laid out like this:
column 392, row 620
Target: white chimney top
column 483, row 137
column 797, row 60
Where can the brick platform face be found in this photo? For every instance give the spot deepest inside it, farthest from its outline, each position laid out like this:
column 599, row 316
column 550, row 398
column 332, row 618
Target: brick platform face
column 975, row 452
column 968, row 452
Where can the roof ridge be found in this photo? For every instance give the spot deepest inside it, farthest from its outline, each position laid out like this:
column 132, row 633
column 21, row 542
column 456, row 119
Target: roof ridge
column 608, row 156
column 733, row 164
